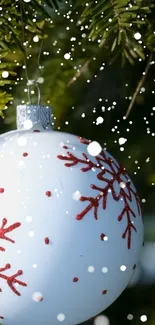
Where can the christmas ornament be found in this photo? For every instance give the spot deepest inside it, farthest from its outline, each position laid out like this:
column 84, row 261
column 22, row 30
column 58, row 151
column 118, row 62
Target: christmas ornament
column 71, row 228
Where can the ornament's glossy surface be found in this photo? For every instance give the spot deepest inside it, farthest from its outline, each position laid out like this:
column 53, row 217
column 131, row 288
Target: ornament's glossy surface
column 71, row 229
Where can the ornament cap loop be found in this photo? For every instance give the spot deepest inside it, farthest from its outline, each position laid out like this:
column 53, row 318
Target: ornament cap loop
column 28, row 116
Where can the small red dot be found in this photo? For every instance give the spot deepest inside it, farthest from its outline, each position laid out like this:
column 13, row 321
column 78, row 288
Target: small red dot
column 20, row 272
column 102, row 236
column 1, row 190
column 46, row 240
column 36, row 130
column 48, row 193
column 134, row 267
column 8, row 266
column 25, row 154
column 104, row 292
column 75, row 279
column 65, row 147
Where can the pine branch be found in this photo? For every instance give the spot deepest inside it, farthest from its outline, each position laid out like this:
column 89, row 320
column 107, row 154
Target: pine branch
column 113, row 24
column 12, row 28
column 80, row 72
column 140, row 84
column 4, row 100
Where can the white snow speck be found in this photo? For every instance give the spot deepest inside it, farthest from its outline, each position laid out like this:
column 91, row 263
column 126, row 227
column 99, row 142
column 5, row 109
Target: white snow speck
column 22, row 141
column 37, row 296
column 130, row 317
column 122, row 185
column 137, row 36
column 122, row 141
column 99, row 120
column 60, row 317
column 123, row 268
column 101, row 320
column 91, row 269
column 76, row 195
column 31, row 233
column 36, row 39
column 104, row 269
column 5, row 74
column 94, row 148
column 28, row 124
column 67, row 56
column 28, row 219
column 143, row 318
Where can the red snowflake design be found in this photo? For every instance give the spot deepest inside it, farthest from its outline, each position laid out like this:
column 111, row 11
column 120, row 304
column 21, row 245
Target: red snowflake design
column 11, row 280
column 115, row 171
column 4, row 230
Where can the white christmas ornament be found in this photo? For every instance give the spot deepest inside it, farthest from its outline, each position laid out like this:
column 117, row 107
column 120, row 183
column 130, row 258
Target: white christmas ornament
column 70, row 232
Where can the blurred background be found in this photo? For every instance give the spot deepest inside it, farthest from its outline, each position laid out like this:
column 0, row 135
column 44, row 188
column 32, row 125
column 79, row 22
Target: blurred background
column 90, row 94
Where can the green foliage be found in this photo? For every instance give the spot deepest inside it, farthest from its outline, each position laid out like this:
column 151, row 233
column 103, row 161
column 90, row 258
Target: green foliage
column 59, row 86
column 16, row 21
column 114, row 23
column 4, row 99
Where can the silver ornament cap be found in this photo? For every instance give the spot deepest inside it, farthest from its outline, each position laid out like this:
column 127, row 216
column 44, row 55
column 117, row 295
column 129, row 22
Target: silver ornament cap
column 29, row 116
